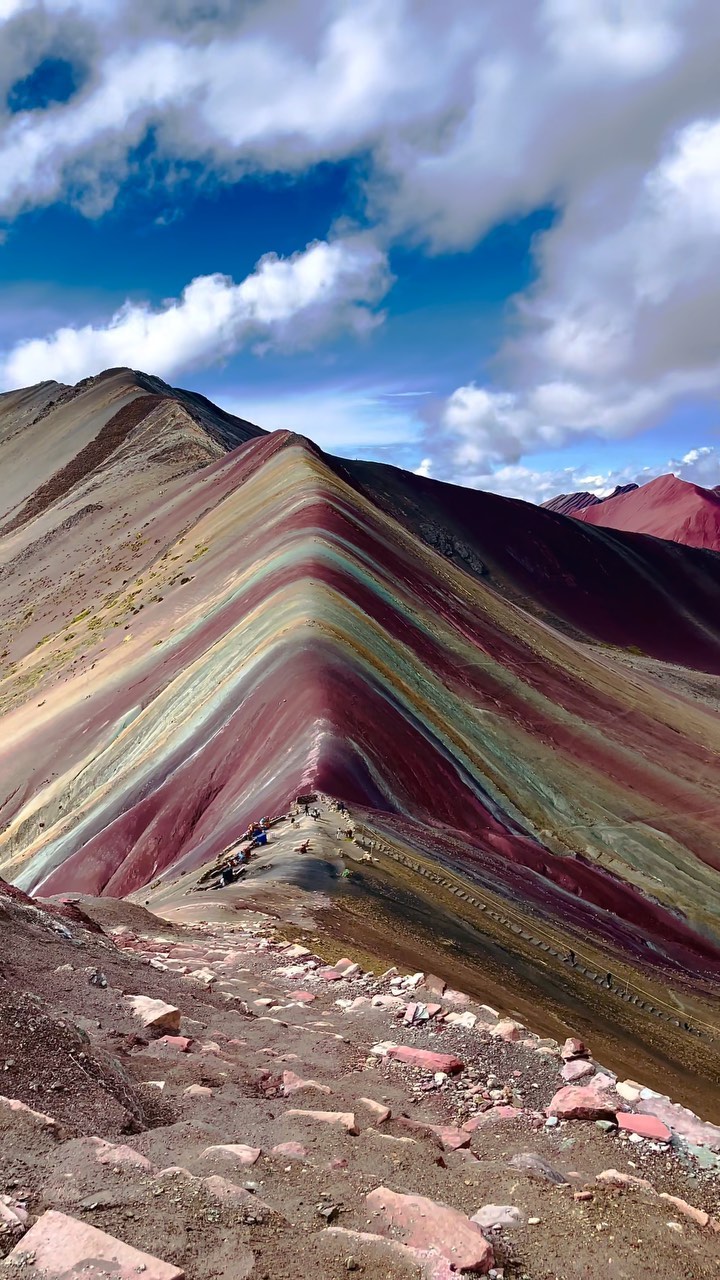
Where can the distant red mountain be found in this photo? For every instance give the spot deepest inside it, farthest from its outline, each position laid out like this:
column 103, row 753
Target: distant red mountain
column 665, row 508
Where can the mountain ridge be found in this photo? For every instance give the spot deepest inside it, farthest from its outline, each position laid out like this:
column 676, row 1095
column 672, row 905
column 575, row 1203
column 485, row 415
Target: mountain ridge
column 192, row 640
column 568, row 503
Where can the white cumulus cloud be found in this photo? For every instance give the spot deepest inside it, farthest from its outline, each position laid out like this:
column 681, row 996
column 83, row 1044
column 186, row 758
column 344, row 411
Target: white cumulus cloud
column 461, row 116
column 621, row 324
column 699, row 466
column 285, row 302
column 467, row 113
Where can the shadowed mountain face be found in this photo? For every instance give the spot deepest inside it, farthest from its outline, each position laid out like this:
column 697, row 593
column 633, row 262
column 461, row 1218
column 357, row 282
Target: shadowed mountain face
column 192, row 636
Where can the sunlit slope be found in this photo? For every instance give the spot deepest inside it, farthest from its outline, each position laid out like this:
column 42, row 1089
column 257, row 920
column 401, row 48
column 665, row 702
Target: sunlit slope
column 285, row 632
column 52, row 436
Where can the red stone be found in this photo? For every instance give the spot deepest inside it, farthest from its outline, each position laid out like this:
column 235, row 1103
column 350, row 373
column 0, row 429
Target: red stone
column 508, row 1030
column 573, row 1048
column 293, row 1083
column 474, row 1123
column 39, row 1117
column 700, row 1216
column 577, row 1069
column 290, row 1150
column 296, row 951
column 456, row 997
column 378, row 1110
column 425, row 1059
column 13, row 1216
column 647, row 1126
column 181, row 1043
column 451, row 1139
column 585, row 1102
column 345, row 1119
column 156, row 1015
column 434, row 984
column 108, row 1153
column 383, row 1252
column 682, row 1121
column 235, row 1150
column 616, row 1178
column 424, row 1224
column 63, row 1248
column 228, row 1193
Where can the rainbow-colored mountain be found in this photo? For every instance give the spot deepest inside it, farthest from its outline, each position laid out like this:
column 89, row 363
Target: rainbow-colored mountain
column 201, row 621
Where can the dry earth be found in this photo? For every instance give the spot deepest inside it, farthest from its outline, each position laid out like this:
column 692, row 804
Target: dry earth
column 257, row 1016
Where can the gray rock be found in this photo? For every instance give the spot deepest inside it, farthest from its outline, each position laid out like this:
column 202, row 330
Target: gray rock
column 536, row 1167
column 498, row 1215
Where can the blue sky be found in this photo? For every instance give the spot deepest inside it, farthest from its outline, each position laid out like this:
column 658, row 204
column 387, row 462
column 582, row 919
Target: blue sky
column 149, row 245
column 491, row 233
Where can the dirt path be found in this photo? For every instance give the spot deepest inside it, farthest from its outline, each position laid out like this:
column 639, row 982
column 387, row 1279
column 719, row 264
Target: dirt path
column 268, row 1037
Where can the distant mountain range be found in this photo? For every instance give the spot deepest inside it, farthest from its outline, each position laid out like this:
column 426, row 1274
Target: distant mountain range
column 665, row 508
column 568, row 504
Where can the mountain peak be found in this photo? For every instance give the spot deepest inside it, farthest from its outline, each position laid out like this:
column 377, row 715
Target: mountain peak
column 666, row 507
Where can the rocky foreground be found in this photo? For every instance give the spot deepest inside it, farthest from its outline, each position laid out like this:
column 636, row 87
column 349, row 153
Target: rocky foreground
column 218, row 1102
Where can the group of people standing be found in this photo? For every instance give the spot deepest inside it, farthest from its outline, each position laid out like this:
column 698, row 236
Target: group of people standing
column 254, row 837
